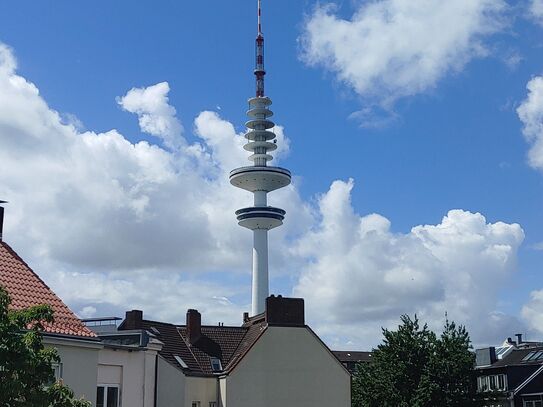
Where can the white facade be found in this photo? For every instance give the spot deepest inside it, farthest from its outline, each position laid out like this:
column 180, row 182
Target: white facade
column 287, row 367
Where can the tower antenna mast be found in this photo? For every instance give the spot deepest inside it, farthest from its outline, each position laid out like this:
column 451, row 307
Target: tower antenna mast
column 260, row 178
column 259, row 65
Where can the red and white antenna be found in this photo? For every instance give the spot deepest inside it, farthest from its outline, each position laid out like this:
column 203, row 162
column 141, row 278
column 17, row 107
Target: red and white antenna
column 259, row 66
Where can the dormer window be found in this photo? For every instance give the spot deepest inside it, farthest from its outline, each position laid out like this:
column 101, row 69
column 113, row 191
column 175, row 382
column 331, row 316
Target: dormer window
column 216, row 365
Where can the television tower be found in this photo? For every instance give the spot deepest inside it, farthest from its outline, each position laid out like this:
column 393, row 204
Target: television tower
column 260, row 178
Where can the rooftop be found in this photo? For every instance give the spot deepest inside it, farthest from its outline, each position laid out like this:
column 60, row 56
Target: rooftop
column 26, row 289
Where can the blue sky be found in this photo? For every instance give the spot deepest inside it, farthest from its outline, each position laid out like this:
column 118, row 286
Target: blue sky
column 428, row 142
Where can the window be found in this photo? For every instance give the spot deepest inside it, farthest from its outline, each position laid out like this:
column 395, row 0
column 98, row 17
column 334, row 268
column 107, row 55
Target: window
column 216, row 364
column 528, row 356
column 532, row 403
column 496, row 382
column 482, row 383
column 212, row 404
column 180, row 361
column 107, row 395
column 502, row 382
column 195, row 404
column 492, row 381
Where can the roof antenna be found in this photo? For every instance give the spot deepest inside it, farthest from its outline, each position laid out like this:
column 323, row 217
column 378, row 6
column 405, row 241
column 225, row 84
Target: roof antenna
column 2, row 218
column 259, row 66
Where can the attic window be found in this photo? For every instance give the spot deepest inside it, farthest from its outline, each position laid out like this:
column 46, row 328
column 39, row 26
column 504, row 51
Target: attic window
column 528, row 356
column 216, row 365
column 181, row 361
column 155, row 330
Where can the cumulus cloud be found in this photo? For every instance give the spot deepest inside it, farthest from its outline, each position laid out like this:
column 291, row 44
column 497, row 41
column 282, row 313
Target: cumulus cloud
column 361, row 275
column 156, row 116
column 113, row 225
column 530, row 113
column 394, row 48
column 536, row 10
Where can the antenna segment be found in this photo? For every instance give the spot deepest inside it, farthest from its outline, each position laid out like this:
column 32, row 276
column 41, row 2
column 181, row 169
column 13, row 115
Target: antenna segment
column 260, row 179
column 259, row 65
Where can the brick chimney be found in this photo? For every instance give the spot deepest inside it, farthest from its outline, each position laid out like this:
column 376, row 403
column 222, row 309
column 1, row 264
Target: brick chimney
column 285, row 311
column 133, row 319
column 194, row 326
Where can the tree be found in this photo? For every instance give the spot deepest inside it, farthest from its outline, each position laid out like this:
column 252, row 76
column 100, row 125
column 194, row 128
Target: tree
column 26, row 372
column 413, row 367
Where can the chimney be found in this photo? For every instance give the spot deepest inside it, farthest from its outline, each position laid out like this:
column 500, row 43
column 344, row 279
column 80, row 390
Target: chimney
column 194, row 326
column 285, row 311
column 245, row 317
column 519, row 338
column 1, row 218
column 133, row 320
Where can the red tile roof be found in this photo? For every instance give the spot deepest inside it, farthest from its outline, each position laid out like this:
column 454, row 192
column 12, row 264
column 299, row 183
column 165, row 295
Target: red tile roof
column 26, row 289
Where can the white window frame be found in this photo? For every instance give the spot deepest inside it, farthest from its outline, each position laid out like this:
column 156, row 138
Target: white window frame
column 212, row 404
column 111, row 385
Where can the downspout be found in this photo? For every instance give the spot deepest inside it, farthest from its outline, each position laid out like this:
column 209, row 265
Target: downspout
column 156, row 381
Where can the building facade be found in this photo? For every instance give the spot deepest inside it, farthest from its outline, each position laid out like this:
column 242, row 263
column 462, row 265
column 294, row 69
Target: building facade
column 510, row 375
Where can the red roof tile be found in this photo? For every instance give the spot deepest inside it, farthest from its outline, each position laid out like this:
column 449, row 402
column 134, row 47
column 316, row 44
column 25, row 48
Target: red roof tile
column 26, row 289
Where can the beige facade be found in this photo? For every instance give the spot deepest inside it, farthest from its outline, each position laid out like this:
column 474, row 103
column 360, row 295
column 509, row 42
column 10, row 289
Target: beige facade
column 287, row 367
column 78, row 364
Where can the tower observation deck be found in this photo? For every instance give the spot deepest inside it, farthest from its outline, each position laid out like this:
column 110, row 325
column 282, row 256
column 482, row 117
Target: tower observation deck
column 260, row 178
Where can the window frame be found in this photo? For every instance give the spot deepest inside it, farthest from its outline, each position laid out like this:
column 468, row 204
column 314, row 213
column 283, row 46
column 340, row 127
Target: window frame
column 108, row 386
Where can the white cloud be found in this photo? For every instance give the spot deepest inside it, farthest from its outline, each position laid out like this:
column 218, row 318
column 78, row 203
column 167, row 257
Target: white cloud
column 361, row 275
column 394, row 48
column 156, row 115
column 112, row 225
column 530, row 113
column 87, row 204
column 536, row 10
column 532, row 311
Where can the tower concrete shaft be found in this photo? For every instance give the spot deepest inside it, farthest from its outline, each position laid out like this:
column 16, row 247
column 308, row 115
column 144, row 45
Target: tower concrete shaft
column 260, row 178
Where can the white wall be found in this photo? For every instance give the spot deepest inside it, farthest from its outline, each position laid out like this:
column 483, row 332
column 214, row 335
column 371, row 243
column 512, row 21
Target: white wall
column 133, row 371
column 79, row 363
column 288, row 367
column 171, row 385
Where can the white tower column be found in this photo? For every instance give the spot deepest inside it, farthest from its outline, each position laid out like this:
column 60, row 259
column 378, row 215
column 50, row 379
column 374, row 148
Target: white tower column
column 260, row 271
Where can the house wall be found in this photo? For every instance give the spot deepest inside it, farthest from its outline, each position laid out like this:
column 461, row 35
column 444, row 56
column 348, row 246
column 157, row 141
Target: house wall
column 202, row 389
column 171, row 385
column 133, row 371
column 79, row 363
column 288, row 366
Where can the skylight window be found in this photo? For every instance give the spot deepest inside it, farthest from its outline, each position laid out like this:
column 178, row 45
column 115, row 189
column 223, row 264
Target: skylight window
column 216, row 365
column 181, row 362
column 536, row 356
column 528, row 356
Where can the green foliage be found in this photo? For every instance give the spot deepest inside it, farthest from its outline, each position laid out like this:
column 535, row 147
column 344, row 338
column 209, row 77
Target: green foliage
column 413, row 367
column 25, row 364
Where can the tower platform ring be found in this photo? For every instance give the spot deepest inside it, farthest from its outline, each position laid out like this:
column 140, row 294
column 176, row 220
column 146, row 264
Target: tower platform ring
column 260, row 217
column 256, row 178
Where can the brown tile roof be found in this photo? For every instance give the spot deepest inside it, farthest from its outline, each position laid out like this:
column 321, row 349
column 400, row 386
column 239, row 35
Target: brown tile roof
column 227, row 343
column 26, row 289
